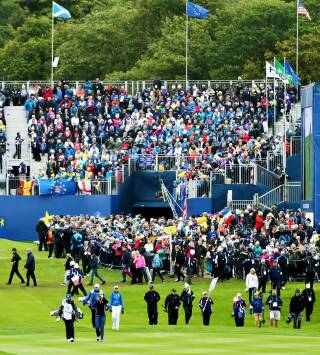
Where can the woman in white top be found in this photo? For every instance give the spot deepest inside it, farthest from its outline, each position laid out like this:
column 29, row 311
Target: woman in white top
column 251, row 283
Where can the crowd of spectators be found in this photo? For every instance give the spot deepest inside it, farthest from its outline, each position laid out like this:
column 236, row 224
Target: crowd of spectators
column 92, row 130
column 226, row 244
column 3, row 131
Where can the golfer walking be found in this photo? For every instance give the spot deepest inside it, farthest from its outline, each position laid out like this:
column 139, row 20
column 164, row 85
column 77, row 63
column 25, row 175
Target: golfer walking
column 117, row 307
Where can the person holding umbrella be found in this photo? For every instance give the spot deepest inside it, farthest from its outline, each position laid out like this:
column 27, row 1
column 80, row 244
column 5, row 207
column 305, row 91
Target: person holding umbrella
column 205, row 305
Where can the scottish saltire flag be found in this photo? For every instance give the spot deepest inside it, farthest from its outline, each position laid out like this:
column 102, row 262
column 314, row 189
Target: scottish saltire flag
column 303, row 11
column 57, row 186
column 194, row 10
column 291, row 75
column 213, row 284
column 59, row 11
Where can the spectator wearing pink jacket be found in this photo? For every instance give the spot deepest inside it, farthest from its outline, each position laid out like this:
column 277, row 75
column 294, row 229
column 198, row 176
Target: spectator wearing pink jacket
column 139, row 263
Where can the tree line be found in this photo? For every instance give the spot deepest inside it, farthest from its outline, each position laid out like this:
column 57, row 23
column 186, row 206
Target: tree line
column 144, row 39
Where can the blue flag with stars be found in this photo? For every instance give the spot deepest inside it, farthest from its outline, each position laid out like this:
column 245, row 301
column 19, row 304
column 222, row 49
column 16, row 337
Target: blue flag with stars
column 194, row 10
column 57, row 186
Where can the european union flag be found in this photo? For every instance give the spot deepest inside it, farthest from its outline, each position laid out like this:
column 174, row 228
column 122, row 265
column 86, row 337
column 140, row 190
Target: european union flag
column 194, row 10
column 58, row 186
column 294, row 77
column 60, row 12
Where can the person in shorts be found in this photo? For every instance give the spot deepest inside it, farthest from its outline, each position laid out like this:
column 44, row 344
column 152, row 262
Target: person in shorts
column 275, row 303
column 256, row 308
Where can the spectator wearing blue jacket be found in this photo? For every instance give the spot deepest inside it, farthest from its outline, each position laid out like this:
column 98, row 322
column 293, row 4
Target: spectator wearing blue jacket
column 257, row 308
column 92, row 297
column 117, row 307
column 29, row 106
column 30, row 266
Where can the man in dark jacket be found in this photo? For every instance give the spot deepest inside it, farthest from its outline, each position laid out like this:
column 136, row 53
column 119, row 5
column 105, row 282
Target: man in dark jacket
column 30, row 266
column 275, row 303
column 263, row 276
column 309, row 300
column 178, row 263
column 296, row 307
column 94, row 264
column 152, row 298
column 172, row 304
column 42, row 231
column 187, row 298
column 275, row 274
column 15, row 266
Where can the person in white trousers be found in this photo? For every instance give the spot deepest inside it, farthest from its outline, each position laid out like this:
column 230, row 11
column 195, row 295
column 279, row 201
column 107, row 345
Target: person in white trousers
column 117, row 307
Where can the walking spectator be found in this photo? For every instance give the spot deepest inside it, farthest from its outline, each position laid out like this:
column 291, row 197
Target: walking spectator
column 94, row 264
column 251, row 283
column 257, row 308
column 15, row 266
column 30, row 266
column 42, row 230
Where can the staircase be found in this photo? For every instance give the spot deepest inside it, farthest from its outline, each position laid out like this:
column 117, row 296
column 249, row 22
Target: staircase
column 17, row 122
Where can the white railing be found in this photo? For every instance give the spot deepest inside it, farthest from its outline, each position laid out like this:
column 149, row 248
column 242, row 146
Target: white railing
column 132, row 86
column 273, row 197
column 199, row 188
column 241, row 204
column 295, row 145
column 289, row 192
column 294, row 191
column 240, row 174
column 267, row 177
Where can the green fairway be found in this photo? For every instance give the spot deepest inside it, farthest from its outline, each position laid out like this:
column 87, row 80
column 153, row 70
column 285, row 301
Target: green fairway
column 27, row 328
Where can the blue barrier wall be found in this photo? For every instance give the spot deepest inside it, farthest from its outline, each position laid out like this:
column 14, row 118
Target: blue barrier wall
column 143, row 187
column 293, row 168
column 196, row 206
column 21, row 213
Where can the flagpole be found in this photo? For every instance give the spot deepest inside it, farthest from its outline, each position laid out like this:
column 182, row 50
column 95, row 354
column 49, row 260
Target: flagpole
column 274, row 98
column 267, row 105
column 297, row 44
column 52, row 41
column 187, row 25
column 285, row 117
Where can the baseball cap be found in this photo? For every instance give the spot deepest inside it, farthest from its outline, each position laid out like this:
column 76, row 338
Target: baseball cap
column 68, row 296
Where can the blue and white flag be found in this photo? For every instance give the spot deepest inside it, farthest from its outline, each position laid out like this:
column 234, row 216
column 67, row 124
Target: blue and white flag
column 59, row 11
column 194, row 10
column 293, row 77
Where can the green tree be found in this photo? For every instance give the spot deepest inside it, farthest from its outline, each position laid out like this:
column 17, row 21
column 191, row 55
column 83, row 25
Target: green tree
column 28, row 55
column 244, row 31
column 165, row 57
